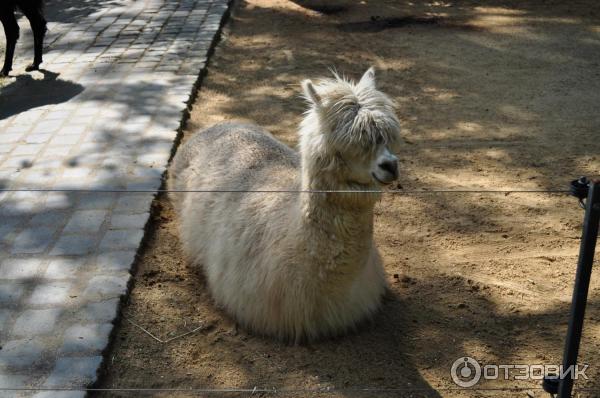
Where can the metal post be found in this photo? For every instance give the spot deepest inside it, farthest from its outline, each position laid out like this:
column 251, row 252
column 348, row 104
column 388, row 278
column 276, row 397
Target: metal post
column 580, row 290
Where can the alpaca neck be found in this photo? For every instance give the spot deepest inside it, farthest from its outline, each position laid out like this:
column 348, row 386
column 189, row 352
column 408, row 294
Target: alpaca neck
column 339, row 237
column 340, row 225
column 329, row 214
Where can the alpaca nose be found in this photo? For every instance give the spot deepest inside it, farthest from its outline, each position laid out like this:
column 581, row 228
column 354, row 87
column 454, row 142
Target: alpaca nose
column 391, row 166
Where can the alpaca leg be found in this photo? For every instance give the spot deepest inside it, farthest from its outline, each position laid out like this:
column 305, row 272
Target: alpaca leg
column 11, row 31
column 34, row 14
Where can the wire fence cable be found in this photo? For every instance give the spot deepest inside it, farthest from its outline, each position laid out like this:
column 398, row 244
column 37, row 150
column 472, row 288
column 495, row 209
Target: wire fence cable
column 288, row 191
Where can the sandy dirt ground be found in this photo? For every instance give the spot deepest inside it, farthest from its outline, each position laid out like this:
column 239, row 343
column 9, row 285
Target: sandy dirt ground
column 496, row 96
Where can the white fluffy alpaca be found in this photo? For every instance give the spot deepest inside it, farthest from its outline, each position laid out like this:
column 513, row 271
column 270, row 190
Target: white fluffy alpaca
column 294, row 266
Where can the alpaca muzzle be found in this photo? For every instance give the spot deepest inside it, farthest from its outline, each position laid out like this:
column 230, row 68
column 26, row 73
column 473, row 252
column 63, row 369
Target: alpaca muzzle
column 387, row 171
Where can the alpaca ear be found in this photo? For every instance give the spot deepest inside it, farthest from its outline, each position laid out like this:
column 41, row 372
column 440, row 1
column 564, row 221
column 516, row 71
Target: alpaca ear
column 310, row 93
column 368, row 79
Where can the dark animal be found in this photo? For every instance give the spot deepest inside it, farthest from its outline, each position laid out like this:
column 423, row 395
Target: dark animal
column 34, row 11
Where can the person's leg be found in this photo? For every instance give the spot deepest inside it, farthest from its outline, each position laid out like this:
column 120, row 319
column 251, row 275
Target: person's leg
column 33, row 10
column 11, row 31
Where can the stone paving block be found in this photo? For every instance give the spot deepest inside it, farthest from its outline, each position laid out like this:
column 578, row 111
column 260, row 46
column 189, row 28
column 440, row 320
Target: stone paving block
column 48, row 126
column 36, row 322
column 112, row 177
column 134, row 203
column 6, row 174
column 47, row 163
column 100, row 312
column 87, row 339
column 60, row 394
column 19, row 268
column 87, row 221
column 26, row 149
column 129, row 221
column 74, row 129
column 57, row 151
column 153, row 159
column 10, row 293
column 122, row 239
column 4, row 317
column 148, row 184
column 10, row 138
column 89, row 109
column 106, row 287
column 4, row 195
column 64, row 268
column 76, row 172
column 89, row 160
column 24, row 208
column 5, row 148
column 38, row 178
column 17, row 162
column 6, row 230
column 57, row 114
column 12, row 381
column 117, row 260
column 28, row 196
column 61, row 140
column 57, row 200
column 34, row 240
column 74, row 371
column 46, row 218
column 96, row 201
column 18, row 354
column 28, row 118
column 38, row 138
column 50, row 294
column 74, row 245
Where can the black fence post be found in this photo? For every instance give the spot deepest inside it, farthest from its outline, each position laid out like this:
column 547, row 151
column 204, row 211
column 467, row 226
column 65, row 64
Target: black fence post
column 580, row 290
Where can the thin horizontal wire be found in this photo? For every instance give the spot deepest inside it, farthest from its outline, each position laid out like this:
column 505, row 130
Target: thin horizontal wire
column 288, row 390
column 402, row 192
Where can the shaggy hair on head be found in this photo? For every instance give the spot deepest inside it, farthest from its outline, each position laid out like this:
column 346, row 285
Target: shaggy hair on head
column 297, row 264
column 357, row 114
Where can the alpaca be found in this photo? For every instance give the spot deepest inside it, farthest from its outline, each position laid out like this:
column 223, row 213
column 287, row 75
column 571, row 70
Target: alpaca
column 295, row 266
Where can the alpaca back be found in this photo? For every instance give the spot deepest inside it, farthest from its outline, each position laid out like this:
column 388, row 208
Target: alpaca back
column 230, row 156
column 234, row 235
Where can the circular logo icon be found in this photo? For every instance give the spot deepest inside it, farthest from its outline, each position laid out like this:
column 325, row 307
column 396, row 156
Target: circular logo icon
column 465, row 372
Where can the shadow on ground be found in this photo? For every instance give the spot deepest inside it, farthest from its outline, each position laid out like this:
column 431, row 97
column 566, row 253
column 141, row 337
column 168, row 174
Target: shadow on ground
column 26, row 92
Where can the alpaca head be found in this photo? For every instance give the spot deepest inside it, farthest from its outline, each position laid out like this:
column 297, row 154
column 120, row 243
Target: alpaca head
column 349, row 136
